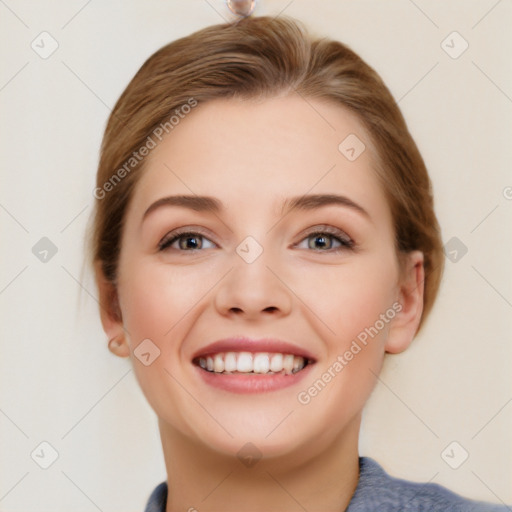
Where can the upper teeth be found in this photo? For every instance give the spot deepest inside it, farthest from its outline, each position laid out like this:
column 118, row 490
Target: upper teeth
column 247, row 362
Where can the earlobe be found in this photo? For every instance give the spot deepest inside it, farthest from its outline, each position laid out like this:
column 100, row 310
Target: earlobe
column 410, row 298
column 110, row 313
column 119, row 346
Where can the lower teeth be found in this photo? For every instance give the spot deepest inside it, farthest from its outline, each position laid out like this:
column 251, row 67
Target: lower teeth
column 254, row 373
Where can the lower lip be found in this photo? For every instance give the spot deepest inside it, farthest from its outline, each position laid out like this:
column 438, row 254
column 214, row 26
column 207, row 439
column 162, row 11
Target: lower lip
column 254, row 383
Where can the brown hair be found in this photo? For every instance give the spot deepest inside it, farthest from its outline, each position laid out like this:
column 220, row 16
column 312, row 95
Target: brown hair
column 257, row 58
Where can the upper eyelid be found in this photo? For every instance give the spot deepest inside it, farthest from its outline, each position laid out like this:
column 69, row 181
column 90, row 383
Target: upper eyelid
column 320, row 228
column 325, row 228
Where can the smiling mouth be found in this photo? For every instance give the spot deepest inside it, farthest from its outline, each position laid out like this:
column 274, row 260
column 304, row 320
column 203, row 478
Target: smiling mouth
column 249, row 363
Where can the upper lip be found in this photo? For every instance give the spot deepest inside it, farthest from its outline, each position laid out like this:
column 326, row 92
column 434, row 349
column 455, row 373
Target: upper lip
column 244, row 344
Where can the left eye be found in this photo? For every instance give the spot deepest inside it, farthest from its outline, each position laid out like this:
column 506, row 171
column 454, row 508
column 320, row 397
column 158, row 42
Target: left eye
column 325, row 241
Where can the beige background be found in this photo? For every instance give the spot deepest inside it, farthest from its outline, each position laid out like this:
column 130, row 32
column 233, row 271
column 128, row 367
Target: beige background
column 59, row 383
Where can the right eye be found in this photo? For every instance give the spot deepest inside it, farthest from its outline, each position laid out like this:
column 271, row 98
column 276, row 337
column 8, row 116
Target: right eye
column 187, row 241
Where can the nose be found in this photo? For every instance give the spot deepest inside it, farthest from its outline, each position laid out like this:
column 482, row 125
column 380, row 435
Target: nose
column 254, row 290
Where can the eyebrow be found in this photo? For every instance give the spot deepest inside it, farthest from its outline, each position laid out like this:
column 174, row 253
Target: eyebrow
column 213, row 205
column 314, row 201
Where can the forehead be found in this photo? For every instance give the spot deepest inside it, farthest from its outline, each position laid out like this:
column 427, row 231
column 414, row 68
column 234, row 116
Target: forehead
column 256, row 153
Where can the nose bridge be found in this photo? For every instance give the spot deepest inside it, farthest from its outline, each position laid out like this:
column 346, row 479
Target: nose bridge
column 251, row 286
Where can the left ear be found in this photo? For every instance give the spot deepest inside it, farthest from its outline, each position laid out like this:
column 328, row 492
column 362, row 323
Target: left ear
column 410, row 298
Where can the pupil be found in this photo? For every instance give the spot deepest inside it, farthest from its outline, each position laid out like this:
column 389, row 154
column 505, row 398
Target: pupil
column 322, row 240
column 194, row 245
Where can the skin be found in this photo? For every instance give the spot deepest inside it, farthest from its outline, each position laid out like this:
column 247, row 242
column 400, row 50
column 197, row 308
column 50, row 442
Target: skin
column 252, row 155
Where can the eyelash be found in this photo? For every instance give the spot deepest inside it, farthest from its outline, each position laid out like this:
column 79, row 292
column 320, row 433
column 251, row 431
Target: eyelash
column 335, row 233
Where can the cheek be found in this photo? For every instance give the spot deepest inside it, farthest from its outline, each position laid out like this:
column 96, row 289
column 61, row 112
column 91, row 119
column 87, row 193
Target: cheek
column 353, row 305
column 356, row 303
column 350, row 298
column 364, row 299
column 157, row 297
column 159, row 302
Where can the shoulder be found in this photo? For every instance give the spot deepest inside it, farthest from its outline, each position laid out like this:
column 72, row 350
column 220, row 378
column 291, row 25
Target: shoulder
column 158, row 499
column 377, row 490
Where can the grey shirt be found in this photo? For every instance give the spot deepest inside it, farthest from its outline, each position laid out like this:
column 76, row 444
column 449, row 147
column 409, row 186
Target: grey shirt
column 378, row 491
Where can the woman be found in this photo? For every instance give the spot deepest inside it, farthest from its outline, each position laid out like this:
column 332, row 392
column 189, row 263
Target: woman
column 264, row 234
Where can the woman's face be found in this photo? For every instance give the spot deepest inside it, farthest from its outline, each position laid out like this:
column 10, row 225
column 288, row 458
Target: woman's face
column 321, row 276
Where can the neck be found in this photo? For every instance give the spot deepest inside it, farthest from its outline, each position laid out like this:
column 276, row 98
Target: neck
column 200, row 479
